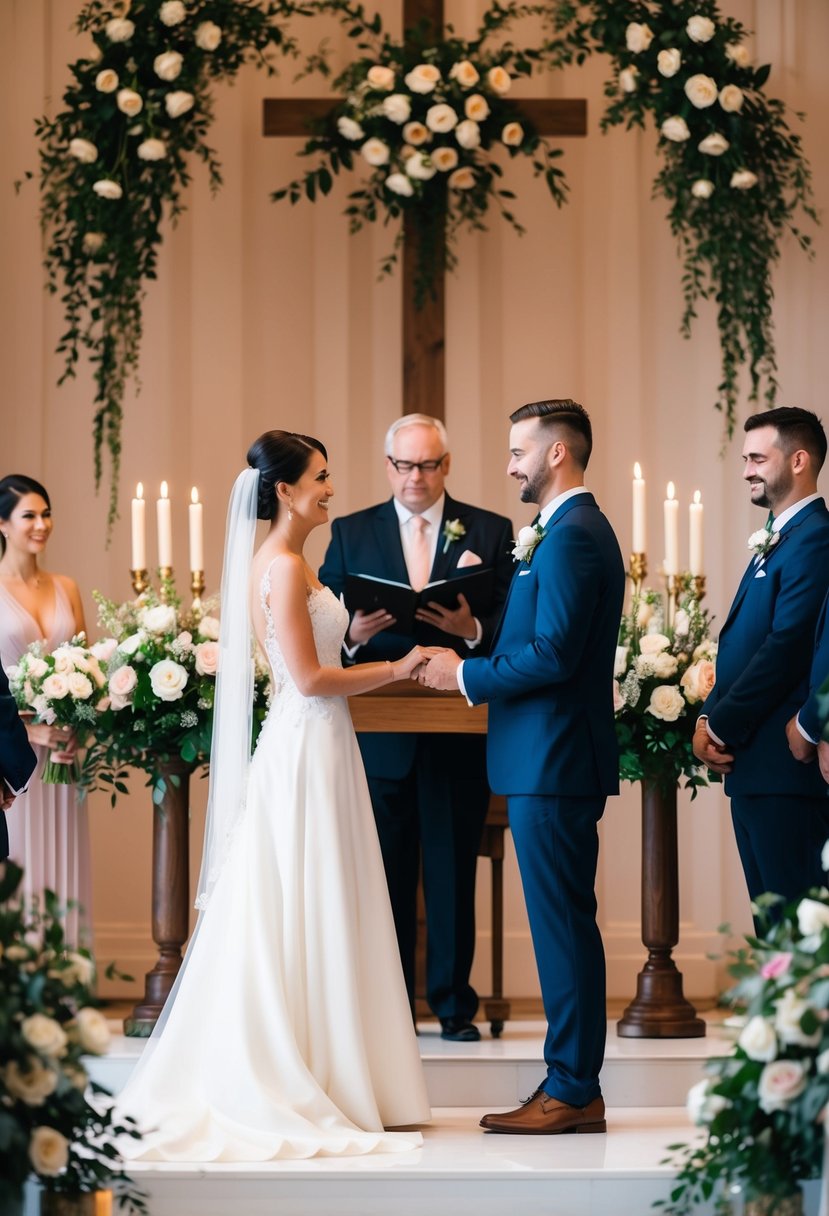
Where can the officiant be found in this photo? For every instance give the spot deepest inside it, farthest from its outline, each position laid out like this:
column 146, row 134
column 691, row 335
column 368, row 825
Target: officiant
column 428, row 791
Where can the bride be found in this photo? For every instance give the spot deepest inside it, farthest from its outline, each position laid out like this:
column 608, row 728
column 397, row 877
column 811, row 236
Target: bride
column 288, row 1032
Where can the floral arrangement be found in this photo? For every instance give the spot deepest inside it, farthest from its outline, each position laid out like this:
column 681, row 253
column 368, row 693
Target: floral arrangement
column 763, row 1106
column 663, row 673
column 426, row 120
column 160, row 663
column 54, row 1121
column 66, row 687
column 525, row 544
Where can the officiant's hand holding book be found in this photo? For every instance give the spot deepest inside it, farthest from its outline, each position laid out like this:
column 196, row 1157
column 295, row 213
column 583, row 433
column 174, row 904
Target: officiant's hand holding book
column 448, row 603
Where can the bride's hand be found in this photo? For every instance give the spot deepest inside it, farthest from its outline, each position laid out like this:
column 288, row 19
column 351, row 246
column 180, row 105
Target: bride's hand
column 406, row 667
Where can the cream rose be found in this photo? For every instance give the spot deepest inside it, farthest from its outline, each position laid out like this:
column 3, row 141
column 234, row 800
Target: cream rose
column 738, row 54
column 441, row 118
column 700, row 29
column 731, row 98
column 129, row 102
column 349, row 129
column 121, row 686
column 621, row 661
column 476, row 107
column 420, row 167
column 80, row 686
column 702, row 188
column 208, row 35
column 714, row 145
column 676, row 129
column 399, row 183
column 131, row 644
column 119, row 29
column 82, row 968
column 701, row 91
column 32, row 1087
column 152, row 149
column 416, row 133
column 106, row 81
column 178, row 103
column 638, row 37
column 499, row 80
column 161, row 618
column 168, row 680
column 207, row 658
column 423, row 78
column 644, row 614
column 512, row 135
column 703, row 1105
column 37, row 668
column 666, row 703
column 789, row 1013
column 698, row 680
column 743, row 179
column 92, row 242
column 48, row 1151
column 468, row 134
column 375, row 152
column 669, row 61
column 209, row 628
column 444, row 159
column 83, row 150
column 104, row 649
column 381, row 77
column 812, row 916
column 653, row 643
column 56, row 687
column 682, row 623
column 629, row 79
column 461, row 179
column 780, row 1082
column 44, row 1034
column 172, row 12
column 465, row 73
column 167, row 65
column 758, row 1040
column 93, row 1031
column 664, row 666
column 397, row 108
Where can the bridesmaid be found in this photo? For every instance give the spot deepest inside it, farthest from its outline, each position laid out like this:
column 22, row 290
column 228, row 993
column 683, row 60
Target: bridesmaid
column 48, row 828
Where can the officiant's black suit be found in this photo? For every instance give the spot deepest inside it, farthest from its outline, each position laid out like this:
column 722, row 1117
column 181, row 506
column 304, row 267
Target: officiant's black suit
column 17, row 760
column 427, row 790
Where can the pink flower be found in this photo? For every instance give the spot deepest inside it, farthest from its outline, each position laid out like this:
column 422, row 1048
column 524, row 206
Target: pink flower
column 207, row 658
column 776, row 966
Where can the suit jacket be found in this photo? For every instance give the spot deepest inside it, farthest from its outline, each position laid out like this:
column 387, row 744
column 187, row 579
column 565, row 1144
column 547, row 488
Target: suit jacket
column 17, row 759
column 368, row 542
column 764, row 659
column 810, row 717
column 549, row 680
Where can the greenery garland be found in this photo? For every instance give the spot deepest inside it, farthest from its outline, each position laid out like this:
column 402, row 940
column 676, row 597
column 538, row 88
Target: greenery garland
column 113, row 161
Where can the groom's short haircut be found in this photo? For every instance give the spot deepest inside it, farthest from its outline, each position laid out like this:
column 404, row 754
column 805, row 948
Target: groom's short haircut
column 564, row 417
column 796, row 429
column 400, row 424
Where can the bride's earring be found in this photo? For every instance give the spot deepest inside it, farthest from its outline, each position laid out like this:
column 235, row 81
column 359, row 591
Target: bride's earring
column 290, row 512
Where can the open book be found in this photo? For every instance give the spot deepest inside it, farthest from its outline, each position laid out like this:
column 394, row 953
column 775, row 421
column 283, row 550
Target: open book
column 402, row 601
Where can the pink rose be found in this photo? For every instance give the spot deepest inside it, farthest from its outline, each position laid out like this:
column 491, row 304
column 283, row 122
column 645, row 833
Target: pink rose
column 121, row 686
column 105, row 649
column 207, row 658
column 776, row 966
column 781, row 1082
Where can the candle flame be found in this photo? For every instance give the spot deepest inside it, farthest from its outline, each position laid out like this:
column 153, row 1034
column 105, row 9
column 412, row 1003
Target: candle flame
column 139, row 490
column 697, row 496
column 194, row 495
column 671, row 490
column 637, row 471
column 164, row 489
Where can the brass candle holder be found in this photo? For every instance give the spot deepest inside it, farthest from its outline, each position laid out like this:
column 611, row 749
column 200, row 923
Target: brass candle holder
column 673, row 582
column 165, row 583
column 637, row 571
column 197, row 585
column 698, row 584
column 140, row 581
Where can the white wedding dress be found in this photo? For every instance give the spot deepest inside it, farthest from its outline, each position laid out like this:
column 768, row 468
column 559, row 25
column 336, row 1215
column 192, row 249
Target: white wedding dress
column 290, row 1035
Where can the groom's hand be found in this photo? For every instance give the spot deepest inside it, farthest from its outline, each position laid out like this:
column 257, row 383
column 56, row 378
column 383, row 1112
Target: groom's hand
column 710, row 753
column 441, row 671
column 458, row 621
column 802, row 749
column 823, row 759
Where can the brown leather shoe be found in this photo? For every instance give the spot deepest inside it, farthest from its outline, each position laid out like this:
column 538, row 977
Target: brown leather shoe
column 542, row 1115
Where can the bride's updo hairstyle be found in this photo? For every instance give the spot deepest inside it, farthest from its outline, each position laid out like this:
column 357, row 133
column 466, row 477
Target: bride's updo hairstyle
column 14, row 487
column 279, row 456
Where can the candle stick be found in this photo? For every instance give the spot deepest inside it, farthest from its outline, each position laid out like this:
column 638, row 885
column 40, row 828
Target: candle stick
column 671, row 531
column 639, row 531
column 165, row 529
column 196, row 511
column 139, row 529
column 695, row 536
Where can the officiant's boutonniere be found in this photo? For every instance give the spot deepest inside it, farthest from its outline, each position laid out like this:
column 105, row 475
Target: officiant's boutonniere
column 528, row 538
column 453, row 530
column 762, row 541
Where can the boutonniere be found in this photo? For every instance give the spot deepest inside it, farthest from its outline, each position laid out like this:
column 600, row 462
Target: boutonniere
column 762, row 541
column 453, row 530
column 528, row 538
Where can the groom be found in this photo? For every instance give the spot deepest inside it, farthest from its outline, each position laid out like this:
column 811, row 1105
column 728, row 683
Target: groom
column 552, row 750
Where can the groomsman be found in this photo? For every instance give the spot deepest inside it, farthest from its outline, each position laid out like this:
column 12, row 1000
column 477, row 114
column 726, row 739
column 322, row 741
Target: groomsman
column 429, row 792
column 804, row 731
column 779, row 807
column 17, row 760
column 552, row 748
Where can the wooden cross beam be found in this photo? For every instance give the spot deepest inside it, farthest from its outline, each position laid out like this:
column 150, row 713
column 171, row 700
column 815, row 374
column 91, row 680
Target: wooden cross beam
column 424, row 329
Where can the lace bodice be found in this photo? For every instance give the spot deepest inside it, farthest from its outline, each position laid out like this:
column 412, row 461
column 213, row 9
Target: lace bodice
column 329, row 621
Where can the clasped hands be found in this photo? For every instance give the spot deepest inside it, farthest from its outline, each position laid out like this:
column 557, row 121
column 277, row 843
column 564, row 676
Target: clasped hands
column 432, row 666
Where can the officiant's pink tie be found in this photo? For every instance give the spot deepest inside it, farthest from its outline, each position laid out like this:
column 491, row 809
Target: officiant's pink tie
column 420, row 556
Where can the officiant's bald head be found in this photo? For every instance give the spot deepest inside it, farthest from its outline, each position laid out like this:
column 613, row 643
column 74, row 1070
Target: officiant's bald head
column 562, row 419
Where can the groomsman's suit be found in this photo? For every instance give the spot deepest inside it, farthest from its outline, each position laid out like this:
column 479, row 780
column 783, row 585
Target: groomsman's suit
column 17, row 759
column 809, row 716
column 552, row 750
column 778, row 805
column 429, row 792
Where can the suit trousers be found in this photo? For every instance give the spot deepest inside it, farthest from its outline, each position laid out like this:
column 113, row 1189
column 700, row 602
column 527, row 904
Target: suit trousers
column 780, row 838
column 435, row 813
column 557, row 846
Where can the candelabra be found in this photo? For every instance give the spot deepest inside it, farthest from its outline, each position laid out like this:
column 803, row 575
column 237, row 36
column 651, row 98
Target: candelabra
column 197, row 586
column 698, row 584
column 165, row 583
column 673, row 584
column 140, row 581
column 638, row 570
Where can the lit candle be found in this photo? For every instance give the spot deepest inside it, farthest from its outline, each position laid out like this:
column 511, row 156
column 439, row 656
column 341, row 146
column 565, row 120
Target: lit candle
column 165, row 528
column 639, row 534
column 139, row 530
column 671, row 531
column 196, row 531
column 695, row 534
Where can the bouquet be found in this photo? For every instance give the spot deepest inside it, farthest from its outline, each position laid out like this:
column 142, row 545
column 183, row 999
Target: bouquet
column 54, row 1121
column 65, row 688
column 663, row 672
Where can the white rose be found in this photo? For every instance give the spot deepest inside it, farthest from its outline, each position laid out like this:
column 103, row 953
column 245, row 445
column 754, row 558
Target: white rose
column 40, row 705
column 675, row 128
column 714, row 145
column 55, row 687
column 468, row 134
column 758, row 1040
column 666, row 703
column 380, row 77
column 209, row 628
column 621, row 661
column 93, row 1031
column 48, row 1151
column 37, row 667
column 743, row 179
column 349, row 129
column 465, row 73
column 33, row 1086
column 131, row 644
column 618, row 699
column 789, row 1011
column 106, row 81
column 700, row 29
column 152, row 149
column 638, row 37
column 397, row 108
column 119, row 29
column 669, row 61
column 822, row 1063
column 682, row 623
column 702, row 188
column 701, row 91
column 812, row 916
column 476, row 107
column 178, row 103
column 207, row 658
column 159, row 619
column 80, row 686
column 444, row 159
column 702, row 1105
column 738, row 54
column 399, row 183
column 420, row 167
column 208, row 35
column 664, row 666
column 698, row 680
column 780, row 1082
column 92, row 242
column 527, row 536
column 121, row 686
column 513, row 135
column 44, row 1034
column 83, row 968
column 83, row 150
column 441, row 118
column 167, row 65
column 423, row 78
column 461, row 179
column 824, row 856
column 653, row 643
column 499, row 80
column 731, row 98
column 63, row 661
column 629, row 79
column 172, row 12
column 416, row 133
column 168, row 680
column 375, row 152
column 129, row 102
column 104, row 650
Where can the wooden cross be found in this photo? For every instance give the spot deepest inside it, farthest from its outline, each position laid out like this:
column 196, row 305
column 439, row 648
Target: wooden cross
column 424, row 340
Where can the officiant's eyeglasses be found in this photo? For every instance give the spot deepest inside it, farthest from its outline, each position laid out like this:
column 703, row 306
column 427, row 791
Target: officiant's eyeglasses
column 424, row 466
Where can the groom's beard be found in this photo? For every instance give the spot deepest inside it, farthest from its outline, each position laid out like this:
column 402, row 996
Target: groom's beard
column 534, row 485
column 772, row 490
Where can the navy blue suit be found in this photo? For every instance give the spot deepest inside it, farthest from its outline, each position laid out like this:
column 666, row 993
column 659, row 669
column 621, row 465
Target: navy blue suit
column 810, row 717
column 778, row 805
column 17, row 760
column 552, row 750
column 428, row 792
